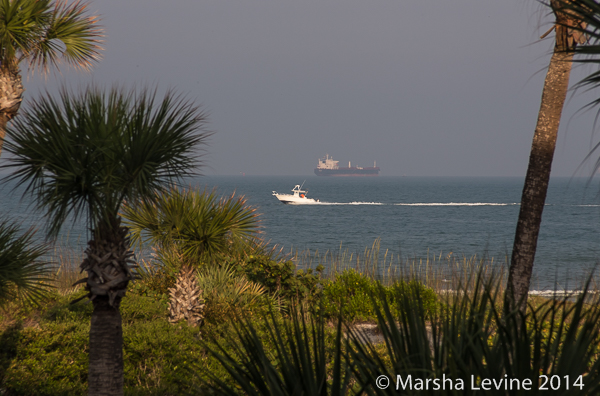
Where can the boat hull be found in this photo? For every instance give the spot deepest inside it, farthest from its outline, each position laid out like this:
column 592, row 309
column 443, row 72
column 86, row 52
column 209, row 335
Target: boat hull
column 345, row 172
column 289, row 199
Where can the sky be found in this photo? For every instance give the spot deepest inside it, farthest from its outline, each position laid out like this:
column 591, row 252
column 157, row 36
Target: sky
column 422, row 87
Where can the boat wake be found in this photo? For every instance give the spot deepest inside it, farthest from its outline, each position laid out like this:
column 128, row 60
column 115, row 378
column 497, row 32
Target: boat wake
column 351, row 203
column 458, row 204
column 417, row 203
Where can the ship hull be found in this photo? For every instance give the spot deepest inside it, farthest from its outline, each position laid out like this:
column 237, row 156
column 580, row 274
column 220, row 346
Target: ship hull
column 348, row 172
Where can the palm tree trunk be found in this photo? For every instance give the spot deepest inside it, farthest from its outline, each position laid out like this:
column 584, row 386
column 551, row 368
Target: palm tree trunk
column 105, row 373
column 537, row 178
column 11, row 92
column 107, row 263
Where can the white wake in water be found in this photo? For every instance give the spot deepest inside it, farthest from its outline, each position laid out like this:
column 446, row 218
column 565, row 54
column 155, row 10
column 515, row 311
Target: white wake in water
column 350, row 203
column 458, row 204
column 437, row 204
column 416, row 203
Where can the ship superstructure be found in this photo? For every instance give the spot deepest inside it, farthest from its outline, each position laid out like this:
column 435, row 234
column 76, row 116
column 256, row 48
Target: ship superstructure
column 328, row 167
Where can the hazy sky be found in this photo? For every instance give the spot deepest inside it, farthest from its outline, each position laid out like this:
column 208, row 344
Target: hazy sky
column 423, row 87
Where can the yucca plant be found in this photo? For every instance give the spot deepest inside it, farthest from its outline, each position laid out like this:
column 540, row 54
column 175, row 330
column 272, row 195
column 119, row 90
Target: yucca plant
column 24, row 274
column 82, row 156
column 301, row 359
column 469, row 339
column 43, row 32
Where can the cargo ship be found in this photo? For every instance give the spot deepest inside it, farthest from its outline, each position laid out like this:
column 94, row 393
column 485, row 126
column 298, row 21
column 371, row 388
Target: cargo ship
column 328, row 167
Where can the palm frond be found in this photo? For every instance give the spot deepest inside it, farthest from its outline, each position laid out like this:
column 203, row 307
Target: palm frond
column 224, row 287
column 587, row 51
column 23, row 272
column 79, row 34
column 84, row 154
column 199, row 222
column 46, row 32
column 21, row 23
column 469, row 337
column 298, row 363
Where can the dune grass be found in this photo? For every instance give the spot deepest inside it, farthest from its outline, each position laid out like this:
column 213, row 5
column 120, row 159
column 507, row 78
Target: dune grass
column 438, row 271
column 43, row 349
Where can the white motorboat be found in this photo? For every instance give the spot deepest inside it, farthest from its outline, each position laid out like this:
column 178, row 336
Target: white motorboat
column 297, row 198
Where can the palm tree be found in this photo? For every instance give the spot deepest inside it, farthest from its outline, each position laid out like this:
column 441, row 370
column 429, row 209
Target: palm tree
column 43, row 32
column 22, row 270
column 568, row 33
column 189, row 227
column 200, row 224
column 83, row 156
column 589, row 11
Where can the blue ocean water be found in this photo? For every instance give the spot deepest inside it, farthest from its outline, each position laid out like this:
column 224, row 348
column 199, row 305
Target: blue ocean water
column 415, row 217
column 412, row 217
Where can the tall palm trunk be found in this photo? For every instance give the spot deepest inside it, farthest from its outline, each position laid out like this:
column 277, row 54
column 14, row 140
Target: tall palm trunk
column 540, row 159
column 105, row 373
column 11, row 92
column 537, row 178
column 107, row 263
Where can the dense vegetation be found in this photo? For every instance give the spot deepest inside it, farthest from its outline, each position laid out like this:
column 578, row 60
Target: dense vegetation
column 290, row 337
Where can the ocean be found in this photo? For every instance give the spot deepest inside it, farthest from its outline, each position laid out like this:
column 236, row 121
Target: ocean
column 412, row 217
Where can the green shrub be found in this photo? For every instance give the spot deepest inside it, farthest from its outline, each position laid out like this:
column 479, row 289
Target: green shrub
column 51, row 356
column 281, row 279
column 352, row 291
column 154, row 278
column 49, row 360
column 355, row 294
column 144, row 289
column 402, row 289
column 145, row 308
column 158, row 355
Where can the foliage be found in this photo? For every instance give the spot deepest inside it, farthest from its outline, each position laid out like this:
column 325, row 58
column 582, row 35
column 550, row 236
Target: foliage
column 50, row 358
column 588, row 12
column 43, row 31
column 43, row 350
column 355, row 294
column 469, row 338
column 301, row 359
column 281, row 279
column 158, row 358
column 196, row 226
column 153, row 279
column 227, row 293
column 22, row 270
column 84, row 154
